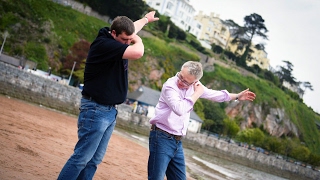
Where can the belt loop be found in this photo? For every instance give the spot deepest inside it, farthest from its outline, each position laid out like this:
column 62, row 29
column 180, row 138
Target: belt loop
column 153, row 127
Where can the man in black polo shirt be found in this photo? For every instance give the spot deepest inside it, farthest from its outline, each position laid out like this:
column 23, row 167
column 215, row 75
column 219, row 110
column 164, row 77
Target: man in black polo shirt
column 105, row 85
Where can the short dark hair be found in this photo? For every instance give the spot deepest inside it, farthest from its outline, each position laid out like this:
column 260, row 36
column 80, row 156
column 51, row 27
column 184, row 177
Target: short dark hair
column 122, row 24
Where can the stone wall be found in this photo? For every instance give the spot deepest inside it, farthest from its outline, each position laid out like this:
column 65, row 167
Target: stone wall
column 23, row 85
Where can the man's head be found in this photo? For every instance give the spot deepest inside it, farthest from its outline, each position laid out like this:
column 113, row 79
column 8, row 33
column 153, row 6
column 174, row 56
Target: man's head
column 190, row 73
column 122, row 29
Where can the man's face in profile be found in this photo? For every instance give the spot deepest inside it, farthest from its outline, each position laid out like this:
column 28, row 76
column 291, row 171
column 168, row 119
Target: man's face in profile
column 122, row 38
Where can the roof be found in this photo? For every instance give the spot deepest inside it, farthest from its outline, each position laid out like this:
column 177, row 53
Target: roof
column 195, row 117
column 10, row 60
column 150, row 96
column 145, row 95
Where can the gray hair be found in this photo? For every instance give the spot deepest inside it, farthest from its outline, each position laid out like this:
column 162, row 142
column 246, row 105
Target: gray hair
column 194, row 68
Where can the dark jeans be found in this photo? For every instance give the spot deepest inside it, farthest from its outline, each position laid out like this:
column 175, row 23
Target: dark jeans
column 95, row 126
column 166, row 157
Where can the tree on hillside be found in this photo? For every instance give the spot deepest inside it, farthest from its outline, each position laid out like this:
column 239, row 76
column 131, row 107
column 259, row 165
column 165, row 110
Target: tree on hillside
column 306, row 85
column 285, row 73
column 242, row 36
column 230, row 127
column 216, row 49
column 169, row 28
column 214, row 116
column 79, row 74
column 77, row 53
column 133, row 9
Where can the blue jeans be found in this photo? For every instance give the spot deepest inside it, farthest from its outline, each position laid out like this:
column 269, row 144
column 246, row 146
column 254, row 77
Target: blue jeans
column 95, row 126
column 166, row 157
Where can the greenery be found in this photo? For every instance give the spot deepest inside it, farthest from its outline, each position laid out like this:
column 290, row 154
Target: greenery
column 55, row 36
column 37, row 53
column 40, row 28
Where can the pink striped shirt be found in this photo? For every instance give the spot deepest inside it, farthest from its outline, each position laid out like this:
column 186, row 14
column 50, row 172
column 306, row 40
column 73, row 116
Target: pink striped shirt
column 172, row 112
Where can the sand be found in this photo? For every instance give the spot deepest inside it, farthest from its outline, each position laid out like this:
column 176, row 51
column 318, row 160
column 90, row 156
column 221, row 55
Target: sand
column 37, row 141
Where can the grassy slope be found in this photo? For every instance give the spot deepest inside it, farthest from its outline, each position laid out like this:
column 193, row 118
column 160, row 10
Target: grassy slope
column 67, row 26
column 36, row 26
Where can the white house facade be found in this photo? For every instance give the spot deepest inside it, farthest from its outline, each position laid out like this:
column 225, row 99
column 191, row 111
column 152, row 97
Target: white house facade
column 181, row 12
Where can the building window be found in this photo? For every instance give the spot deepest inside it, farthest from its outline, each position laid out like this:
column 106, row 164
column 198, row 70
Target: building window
column 199, row 26
column 181, row 14
column 157, row 4
column 211, row 23
column 188, row 19
column 169, row 5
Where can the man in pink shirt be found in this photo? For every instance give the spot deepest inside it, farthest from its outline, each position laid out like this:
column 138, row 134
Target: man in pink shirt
column 172, row 113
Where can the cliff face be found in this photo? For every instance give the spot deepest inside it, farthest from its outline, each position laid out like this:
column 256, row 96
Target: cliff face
column 277, row 124
column 274, row 120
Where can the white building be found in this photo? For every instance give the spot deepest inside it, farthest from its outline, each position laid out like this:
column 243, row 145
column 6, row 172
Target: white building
column 181, row 12
column 196, row 29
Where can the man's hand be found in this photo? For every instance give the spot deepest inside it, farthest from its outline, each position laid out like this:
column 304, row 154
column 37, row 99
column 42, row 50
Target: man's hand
column 246, row 95
column 198, row 88
column 198, row 91
column 139, row 24
column 150, row 16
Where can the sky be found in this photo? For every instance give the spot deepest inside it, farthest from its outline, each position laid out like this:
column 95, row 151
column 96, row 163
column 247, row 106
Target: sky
column 293, row 34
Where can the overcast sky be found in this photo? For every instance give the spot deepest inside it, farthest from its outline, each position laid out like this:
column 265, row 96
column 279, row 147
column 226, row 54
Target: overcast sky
column 293, row 26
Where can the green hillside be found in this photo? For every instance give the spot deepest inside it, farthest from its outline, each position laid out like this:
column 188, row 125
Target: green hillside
column 43, row 31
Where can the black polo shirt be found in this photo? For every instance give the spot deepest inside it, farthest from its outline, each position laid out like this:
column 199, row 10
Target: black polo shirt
column 106, row 73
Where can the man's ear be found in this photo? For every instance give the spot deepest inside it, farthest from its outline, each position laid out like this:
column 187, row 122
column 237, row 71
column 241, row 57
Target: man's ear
column 113, row 33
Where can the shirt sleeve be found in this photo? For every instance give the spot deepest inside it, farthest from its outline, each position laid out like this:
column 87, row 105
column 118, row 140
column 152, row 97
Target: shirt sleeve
column 106, row 49
column 216, row 95
column 178, row 104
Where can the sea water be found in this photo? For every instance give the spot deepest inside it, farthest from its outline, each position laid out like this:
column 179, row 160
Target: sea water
column 213, row 168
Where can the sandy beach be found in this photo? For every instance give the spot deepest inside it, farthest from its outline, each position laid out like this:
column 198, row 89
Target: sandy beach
column 36, row 142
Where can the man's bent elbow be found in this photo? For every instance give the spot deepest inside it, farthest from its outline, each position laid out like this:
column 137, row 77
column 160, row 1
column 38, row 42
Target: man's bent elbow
column 179, row 112
column 137, row 55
